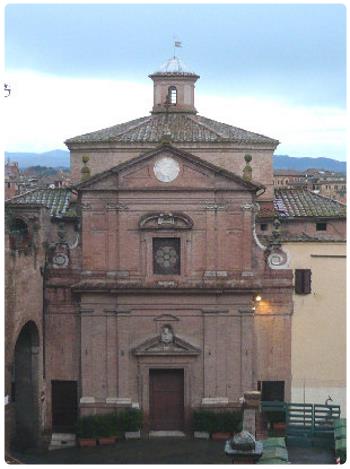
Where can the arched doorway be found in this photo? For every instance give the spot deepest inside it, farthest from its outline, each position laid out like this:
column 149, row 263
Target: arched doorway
column 25, row 386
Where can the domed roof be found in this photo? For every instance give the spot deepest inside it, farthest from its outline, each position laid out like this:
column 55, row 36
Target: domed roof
column 174, row 66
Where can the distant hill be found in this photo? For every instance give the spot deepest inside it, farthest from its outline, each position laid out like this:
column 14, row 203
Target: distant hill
column 302, row 164
column 42, row 171
column 54, row 159
column 60, row 158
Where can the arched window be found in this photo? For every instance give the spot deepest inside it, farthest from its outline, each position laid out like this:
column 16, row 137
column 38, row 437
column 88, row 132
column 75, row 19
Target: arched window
column 172, row 93
column 19, row 235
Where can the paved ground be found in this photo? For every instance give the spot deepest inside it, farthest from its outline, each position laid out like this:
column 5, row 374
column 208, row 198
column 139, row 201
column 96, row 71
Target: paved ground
column 161, row 451
column 312, row 455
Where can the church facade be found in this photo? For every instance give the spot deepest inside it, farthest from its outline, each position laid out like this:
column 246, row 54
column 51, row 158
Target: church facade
column 158, row 294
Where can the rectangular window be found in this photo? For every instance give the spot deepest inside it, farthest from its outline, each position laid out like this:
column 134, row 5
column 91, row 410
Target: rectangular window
column 166, row 256
column 321, row 226
column 302, row 281
column 264, row 226
column 271, row 390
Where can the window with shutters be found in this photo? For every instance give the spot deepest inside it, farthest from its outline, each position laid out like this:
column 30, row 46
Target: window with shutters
column 321, row 226
column 302, row 281
column 166, row 256
column 20, row 238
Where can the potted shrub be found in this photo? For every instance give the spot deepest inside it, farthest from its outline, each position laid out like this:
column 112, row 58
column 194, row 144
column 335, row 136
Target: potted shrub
column 221, row 425
column 277, row 420
column 86, row 430
column 106, row 429
column 225, row 424
column 130, row 422
column 202, row 423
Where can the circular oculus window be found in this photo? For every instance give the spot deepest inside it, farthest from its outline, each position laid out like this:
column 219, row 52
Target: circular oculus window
column 166, row 169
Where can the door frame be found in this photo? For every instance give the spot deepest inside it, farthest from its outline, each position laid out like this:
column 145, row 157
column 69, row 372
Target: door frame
column 181, row 372
column 54, row 426
column 144, row 385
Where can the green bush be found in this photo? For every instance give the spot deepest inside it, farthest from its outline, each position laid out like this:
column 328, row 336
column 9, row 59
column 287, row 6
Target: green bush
column 210, row 421
column 95, row 426
column 106, row 425
column 229, row 421
column 86, row 427
column 130, row 420
column 203, row 421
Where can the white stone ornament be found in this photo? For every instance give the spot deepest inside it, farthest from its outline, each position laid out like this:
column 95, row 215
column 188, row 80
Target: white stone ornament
column 60, row 260
column 278, row 260
column 166, row 335
column 166, row 169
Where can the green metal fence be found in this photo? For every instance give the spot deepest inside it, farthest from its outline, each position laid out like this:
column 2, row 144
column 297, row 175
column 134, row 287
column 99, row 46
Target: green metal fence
column 306, row 424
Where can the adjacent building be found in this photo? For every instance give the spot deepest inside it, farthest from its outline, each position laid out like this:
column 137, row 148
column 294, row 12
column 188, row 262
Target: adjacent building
column 325, row 183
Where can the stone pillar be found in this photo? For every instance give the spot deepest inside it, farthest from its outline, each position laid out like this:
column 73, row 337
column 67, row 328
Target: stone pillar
column 209, row 353
column 211, row 247
column 251, row 410
column 112, row 223
column 123, row 358
column 87, row 394
column 247, row 224
column 247, row 350
column 93, row 357
column 112, row 359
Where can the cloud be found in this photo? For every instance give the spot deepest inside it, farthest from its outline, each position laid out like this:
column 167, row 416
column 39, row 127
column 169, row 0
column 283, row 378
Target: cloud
column 44, row 110
column 305, row 130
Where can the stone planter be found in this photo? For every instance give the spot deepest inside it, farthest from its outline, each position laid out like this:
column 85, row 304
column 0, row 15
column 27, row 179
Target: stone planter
column 201, row 435
column 221, row 436
column 107, row 440
column 84, row 442
column 133, row 435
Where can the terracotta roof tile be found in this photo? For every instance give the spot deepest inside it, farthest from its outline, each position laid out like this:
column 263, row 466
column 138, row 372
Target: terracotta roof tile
column 181, row 127
column 56, row 200
column 294, row 203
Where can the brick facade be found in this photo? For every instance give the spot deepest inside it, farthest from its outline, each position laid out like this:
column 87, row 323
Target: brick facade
column 103, row 312
column 100, row 313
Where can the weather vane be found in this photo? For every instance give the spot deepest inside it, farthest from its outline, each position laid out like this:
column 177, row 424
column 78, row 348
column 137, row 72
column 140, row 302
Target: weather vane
column 7, row 89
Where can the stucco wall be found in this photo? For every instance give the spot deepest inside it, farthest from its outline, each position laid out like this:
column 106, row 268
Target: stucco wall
column 319, row 324
column 336, row 228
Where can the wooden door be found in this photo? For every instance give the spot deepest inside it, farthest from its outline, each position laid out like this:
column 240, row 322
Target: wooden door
column 166, row 400
column 64, row 405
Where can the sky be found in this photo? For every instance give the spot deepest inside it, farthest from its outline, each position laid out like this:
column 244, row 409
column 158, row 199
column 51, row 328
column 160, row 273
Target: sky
column 275, row 69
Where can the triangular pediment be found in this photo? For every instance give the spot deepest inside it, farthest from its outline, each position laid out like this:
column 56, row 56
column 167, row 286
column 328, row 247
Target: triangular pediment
column 156, row 346
column 189, row 171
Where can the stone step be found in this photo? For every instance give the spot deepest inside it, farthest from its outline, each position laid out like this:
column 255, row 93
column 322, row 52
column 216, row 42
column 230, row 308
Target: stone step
column 165, row 433
column 63, row 436
column 62, row 440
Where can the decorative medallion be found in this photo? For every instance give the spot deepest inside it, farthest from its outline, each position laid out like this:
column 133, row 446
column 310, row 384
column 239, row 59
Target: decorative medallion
column 166, row 169
column 278, row 259
column 166, row 335
column 60, row 260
